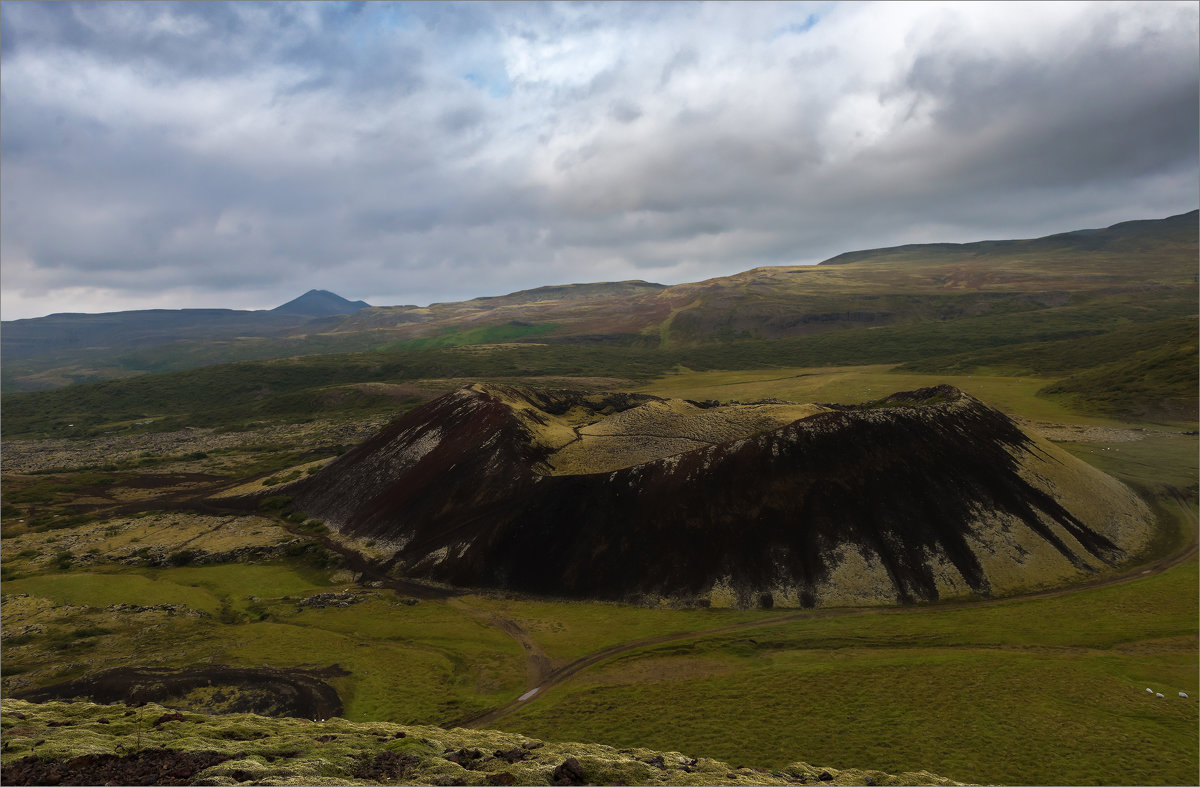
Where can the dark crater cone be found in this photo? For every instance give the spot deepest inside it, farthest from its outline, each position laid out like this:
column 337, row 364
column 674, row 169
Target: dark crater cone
column 214, row 688
column 922, row 495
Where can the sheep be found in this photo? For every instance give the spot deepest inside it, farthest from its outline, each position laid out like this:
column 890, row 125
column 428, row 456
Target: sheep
column 1149, row 691
column 1183, row 694
column 1158, row 694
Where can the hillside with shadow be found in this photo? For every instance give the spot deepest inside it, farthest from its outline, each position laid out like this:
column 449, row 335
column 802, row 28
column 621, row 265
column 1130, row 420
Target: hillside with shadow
column 919, row 496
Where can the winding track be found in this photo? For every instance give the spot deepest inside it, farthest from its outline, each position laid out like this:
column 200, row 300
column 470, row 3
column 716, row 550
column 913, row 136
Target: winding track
column 538, row 667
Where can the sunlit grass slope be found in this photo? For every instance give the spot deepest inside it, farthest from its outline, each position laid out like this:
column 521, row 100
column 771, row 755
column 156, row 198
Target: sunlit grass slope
column 853, row 384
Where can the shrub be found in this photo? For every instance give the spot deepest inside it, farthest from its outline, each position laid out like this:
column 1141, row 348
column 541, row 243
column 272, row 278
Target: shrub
column 230, row 615
column 274, row 503
column 313, row 553
column 181, row 558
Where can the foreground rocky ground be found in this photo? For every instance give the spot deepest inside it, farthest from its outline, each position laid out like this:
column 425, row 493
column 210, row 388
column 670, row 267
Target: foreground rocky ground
column 83, row 743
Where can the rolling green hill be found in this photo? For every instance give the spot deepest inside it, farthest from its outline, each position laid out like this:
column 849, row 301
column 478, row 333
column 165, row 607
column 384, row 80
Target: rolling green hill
column 1147, row 267
column 1109, row 313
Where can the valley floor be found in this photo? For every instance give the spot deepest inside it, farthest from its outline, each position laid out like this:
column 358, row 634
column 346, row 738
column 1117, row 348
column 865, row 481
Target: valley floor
column 125, row 558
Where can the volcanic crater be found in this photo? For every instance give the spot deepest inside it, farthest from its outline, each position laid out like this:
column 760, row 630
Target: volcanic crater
column 920, row 496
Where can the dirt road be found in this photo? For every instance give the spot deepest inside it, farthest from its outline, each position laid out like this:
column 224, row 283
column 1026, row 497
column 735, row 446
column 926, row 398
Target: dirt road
column 538, row 666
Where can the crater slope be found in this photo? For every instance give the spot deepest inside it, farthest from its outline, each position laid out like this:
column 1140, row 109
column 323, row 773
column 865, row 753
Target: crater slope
column 920, row 496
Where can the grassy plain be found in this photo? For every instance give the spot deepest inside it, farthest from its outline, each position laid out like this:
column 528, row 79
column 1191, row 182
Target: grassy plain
column 569, row 630
column 102, row 590
column 292, row 390
column 1037, row 690
column 425, row 664
column 852, row 384
column 1158, row 458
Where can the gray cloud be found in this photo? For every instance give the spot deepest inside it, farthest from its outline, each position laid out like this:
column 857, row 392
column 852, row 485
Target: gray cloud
column 210, row 154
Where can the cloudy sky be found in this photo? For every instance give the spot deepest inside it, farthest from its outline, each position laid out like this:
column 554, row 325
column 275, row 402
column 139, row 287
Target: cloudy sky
column 204, row 155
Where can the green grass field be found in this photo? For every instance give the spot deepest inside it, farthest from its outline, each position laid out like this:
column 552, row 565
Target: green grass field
column 244, row 579
column 106, row 589
column 852, row 384
column 1161, row 458
column 490, row 334
column 571, row 629
column 1045, row 683
column 1042, row 691
column 1123, row 357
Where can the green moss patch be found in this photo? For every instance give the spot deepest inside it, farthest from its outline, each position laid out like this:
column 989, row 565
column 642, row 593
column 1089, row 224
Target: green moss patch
column 256, row 749
column 103, row 590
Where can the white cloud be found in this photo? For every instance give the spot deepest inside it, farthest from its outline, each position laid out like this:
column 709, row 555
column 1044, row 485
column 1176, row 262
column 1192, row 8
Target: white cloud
column 253, row 151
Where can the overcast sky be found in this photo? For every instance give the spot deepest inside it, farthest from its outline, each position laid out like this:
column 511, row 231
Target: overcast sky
column 208, row 155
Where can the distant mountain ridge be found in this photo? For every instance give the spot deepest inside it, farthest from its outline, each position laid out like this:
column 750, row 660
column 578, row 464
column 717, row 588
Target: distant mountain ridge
column 320, row 303
column 1084, row 281
column 55, row 333
column 1123, row 236
column 69, row 337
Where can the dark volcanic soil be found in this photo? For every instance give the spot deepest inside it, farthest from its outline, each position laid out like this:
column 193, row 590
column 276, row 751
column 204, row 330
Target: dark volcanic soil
column 265, row 691
column 154, row 766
